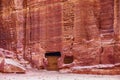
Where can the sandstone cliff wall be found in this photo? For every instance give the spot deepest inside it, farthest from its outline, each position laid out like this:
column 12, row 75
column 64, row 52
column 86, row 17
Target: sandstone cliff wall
column 88, row 30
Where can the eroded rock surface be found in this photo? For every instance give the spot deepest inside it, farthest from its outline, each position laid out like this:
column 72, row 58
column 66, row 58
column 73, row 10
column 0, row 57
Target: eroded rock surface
column 11, row 66
column 9, row 62
column 88, row 30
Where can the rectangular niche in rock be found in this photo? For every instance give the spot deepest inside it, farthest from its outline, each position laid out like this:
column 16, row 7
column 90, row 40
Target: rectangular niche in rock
column 68, row 59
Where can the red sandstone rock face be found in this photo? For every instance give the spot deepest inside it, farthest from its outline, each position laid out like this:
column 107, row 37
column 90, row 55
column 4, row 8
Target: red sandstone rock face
column 9, row 62
column 88, row 30
column 10, row 66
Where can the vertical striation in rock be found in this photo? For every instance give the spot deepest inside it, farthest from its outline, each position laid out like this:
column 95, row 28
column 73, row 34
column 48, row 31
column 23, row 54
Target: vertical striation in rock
column 86, row 32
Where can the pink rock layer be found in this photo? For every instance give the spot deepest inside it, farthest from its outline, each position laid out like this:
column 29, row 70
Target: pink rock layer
column 87, row 30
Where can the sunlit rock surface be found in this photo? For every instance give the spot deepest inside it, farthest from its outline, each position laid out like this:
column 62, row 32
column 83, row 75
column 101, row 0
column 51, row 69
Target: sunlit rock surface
column 87, row 30
column 9, row 62
column 11, row 66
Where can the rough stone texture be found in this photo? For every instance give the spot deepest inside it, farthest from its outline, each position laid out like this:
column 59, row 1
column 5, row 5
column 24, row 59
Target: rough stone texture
column 10, row 66
column 9, row 62
column 37, row 56
column 88, row 30
column 7, row 54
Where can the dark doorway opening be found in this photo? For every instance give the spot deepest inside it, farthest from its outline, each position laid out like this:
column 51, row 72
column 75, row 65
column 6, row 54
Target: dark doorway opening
column 53, row 54
column 52, row 58
column 68, row 59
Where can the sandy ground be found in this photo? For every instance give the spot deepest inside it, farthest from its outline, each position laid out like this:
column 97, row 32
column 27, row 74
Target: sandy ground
column 53, row 75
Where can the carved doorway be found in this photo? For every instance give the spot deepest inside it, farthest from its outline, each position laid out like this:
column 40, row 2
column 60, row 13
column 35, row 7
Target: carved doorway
column 52, row 58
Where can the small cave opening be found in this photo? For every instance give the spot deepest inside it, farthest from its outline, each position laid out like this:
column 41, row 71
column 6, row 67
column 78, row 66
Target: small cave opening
column 68, row 59
column 52, row 58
